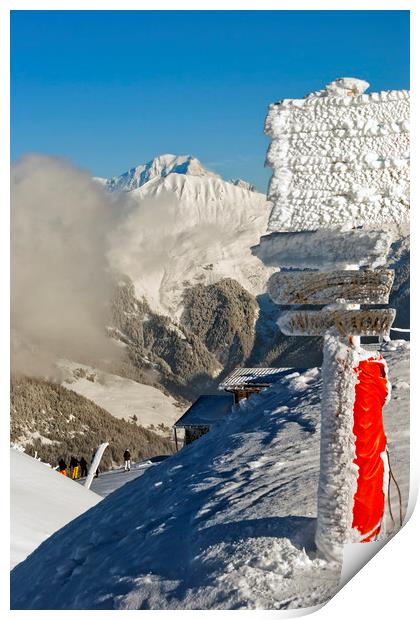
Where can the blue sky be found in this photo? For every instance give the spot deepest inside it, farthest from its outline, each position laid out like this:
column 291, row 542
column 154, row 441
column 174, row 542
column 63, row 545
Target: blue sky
column 111, row 89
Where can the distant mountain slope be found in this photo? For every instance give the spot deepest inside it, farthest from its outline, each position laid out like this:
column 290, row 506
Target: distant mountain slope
column 399, row 260
column 123, row 398
column 160, row 166
column 243, row 184
column 57, row 422
column 187, row 357
column 172, row 353
column 42, row 501
column 227, row 523
column 182, row 230
column 223, row 315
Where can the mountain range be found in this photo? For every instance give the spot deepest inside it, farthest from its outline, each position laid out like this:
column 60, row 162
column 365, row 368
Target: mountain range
column 162, row 166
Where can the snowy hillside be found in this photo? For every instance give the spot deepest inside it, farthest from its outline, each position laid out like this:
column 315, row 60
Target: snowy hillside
column 42, row 501
column 58, row 423
column 121, row 397
column 227, row 523
column 184, row 229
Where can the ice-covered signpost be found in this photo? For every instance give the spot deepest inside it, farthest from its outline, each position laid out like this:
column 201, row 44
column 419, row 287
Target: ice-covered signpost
column 340, row 183
column 95, row 463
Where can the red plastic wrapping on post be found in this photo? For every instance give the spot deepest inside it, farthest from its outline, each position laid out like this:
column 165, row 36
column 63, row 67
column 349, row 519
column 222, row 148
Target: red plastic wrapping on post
column 369, row 500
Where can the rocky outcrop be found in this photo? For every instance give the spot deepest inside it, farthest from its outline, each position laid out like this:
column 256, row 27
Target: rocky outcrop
column 179, row 359
column 223, row 316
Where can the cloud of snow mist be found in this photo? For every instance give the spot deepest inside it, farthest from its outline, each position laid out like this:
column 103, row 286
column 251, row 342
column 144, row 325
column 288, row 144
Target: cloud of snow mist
column 159, row 238
column 60, row 277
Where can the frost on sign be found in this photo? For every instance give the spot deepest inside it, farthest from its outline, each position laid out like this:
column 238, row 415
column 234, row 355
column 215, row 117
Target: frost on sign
column 318, row 288
column 340, row 158
column 376, row 322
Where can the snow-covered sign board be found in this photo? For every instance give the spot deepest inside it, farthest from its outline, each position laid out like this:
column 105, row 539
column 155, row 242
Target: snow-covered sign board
column 321, row 250
column 346, row 322
column 360, row 287
column 340, row 158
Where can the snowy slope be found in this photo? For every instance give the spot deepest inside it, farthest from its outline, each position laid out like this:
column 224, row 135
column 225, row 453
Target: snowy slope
column 228, row 522
column 205, row 228
column 42, row 502
column 109, row 481
column 121, row 397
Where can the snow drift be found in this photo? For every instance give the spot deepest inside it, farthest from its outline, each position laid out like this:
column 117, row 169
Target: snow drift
column 42, row 502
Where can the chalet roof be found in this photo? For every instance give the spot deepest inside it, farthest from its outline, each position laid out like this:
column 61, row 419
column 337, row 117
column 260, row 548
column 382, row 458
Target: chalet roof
column 206, row 410
column 254, row 377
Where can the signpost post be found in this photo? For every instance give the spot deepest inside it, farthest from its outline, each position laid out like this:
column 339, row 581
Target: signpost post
column 340, row 178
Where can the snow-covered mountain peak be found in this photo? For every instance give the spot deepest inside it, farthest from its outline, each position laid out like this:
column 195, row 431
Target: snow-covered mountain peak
column 159, row 167
column 205, row 227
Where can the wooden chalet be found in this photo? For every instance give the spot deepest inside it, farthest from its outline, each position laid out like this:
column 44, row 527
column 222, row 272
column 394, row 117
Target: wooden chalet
column 201, row 416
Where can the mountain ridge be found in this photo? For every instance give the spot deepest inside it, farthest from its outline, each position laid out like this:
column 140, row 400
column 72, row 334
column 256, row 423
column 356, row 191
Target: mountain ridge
column 162, row 166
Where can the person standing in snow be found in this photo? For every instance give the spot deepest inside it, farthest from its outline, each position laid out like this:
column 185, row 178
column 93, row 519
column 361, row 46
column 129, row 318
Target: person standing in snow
column 83, row 467
column 74, row 468
column 62, row 467
column 127, row 460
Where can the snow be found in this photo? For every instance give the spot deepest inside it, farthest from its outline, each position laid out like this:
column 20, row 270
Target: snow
column 107, row 482
column 226, row 523
column 352, row 172
column 162, row 166
column 323, row 250
column 29, row 437
column 205, row 226
column 342, row 86
column 243, row 184
column 397, row 423
column 42, row 502
column 121, row 397
column 158, row 167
